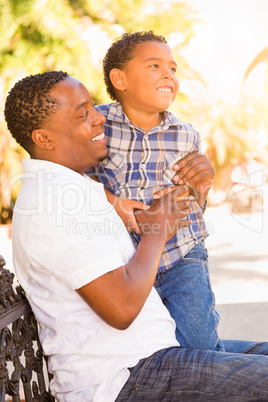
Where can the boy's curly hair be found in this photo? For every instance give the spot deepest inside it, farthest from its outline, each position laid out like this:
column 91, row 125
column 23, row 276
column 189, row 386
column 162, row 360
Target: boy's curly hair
column 28, row 105
column 122, row 51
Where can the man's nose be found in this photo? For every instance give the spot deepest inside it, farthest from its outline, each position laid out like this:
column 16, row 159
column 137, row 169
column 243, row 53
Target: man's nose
column 99, row 119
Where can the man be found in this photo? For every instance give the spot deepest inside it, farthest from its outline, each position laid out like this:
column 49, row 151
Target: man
column 108, row 335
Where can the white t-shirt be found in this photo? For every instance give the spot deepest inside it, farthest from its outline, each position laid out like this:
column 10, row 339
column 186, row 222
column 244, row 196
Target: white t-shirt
column 66, row 234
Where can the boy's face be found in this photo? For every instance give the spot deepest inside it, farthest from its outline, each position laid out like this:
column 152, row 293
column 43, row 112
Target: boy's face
column 150, row 83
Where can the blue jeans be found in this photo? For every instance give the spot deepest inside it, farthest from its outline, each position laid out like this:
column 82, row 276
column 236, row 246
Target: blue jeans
column 179, row 374
column 186, row 291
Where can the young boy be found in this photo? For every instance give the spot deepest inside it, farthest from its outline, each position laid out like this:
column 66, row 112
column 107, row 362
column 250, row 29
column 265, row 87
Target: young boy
column 144, row 141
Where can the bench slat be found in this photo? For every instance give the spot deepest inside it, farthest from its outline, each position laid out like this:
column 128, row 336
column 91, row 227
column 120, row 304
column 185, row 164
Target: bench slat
column 16, row 311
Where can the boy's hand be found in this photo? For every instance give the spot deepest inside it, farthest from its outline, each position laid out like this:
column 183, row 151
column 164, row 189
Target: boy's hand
column 165, row 215
column 125, row 209
column 197, row 171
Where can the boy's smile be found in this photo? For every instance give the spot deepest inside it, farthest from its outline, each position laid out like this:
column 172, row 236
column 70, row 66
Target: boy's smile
column 165, row 89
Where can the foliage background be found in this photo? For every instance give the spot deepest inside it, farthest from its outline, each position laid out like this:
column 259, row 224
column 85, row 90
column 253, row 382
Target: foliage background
column 73, row 35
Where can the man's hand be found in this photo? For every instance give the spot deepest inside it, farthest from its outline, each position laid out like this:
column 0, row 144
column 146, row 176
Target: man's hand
column 167, row 190
column 196, row 171
column 165, row 215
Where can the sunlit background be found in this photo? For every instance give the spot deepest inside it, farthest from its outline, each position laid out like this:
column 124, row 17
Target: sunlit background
column 229, row 36
column 222, row 93
column 222, row 51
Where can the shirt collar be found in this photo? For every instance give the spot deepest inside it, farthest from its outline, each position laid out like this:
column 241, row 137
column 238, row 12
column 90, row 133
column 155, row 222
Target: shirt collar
column 34, row 168
column 116, row 113
column 43, row 166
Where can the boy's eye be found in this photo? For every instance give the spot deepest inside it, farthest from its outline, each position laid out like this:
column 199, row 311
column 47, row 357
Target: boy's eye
column 174, row 70
column 154, row 65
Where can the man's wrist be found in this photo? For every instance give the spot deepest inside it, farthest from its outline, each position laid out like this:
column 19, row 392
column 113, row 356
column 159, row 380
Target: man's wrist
column 199, row 198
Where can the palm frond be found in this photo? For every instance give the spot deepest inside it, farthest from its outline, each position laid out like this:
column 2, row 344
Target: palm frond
column 261, row 57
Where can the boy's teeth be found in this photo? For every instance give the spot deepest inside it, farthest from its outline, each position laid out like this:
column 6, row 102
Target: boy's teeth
column 99, row 137
column 165, row 89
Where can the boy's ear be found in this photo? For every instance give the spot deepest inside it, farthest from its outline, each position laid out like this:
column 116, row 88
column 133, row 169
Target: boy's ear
column 41, row 139
column 117, row 79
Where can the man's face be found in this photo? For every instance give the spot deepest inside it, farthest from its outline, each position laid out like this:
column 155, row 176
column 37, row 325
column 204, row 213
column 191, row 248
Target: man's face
column 76, row 129
column 150, row 81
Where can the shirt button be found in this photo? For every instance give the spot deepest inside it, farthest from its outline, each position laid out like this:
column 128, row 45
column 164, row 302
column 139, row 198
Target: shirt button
column 104, row 161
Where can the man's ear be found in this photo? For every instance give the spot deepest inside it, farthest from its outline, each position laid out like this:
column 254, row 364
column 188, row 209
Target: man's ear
column 117, row 79
column 41, row 139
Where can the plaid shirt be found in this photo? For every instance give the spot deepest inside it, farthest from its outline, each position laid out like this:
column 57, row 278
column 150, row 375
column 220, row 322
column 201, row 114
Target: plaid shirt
column 139, row 164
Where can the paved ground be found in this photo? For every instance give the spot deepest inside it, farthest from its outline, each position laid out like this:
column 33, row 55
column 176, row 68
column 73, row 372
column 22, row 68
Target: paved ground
column 238, row 251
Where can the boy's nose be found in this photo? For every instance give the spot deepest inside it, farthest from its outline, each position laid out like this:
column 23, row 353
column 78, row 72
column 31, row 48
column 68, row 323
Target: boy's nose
column 168, row 74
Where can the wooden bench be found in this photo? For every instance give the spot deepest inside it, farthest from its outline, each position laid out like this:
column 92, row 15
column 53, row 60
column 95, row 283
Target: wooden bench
column 23, row 367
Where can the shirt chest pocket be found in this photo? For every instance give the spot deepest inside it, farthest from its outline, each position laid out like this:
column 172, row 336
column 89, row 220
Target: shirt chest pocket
column 170, row 160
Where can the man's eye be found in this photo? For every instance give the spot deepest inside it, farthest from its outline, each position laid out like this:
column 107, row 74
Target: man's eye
column 84, row 114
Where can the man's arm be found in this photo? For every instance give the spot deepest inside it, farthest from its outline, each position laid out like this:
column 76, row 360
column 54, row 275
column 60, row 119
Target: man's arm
column 118, row 296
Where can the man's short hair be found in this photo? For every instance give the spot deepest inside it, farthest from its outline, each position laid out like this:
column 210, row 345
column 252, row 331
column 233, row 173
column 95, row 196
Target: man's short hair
column 28, row 105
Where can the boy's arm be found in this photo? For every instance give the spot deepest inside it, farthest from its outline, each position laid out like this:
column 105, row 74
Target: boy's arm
column 125, row 209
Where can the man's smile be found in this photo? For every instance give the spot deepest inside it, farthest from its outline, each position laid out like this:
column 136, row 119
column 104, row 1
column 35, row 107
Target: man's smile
column 101, row 137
